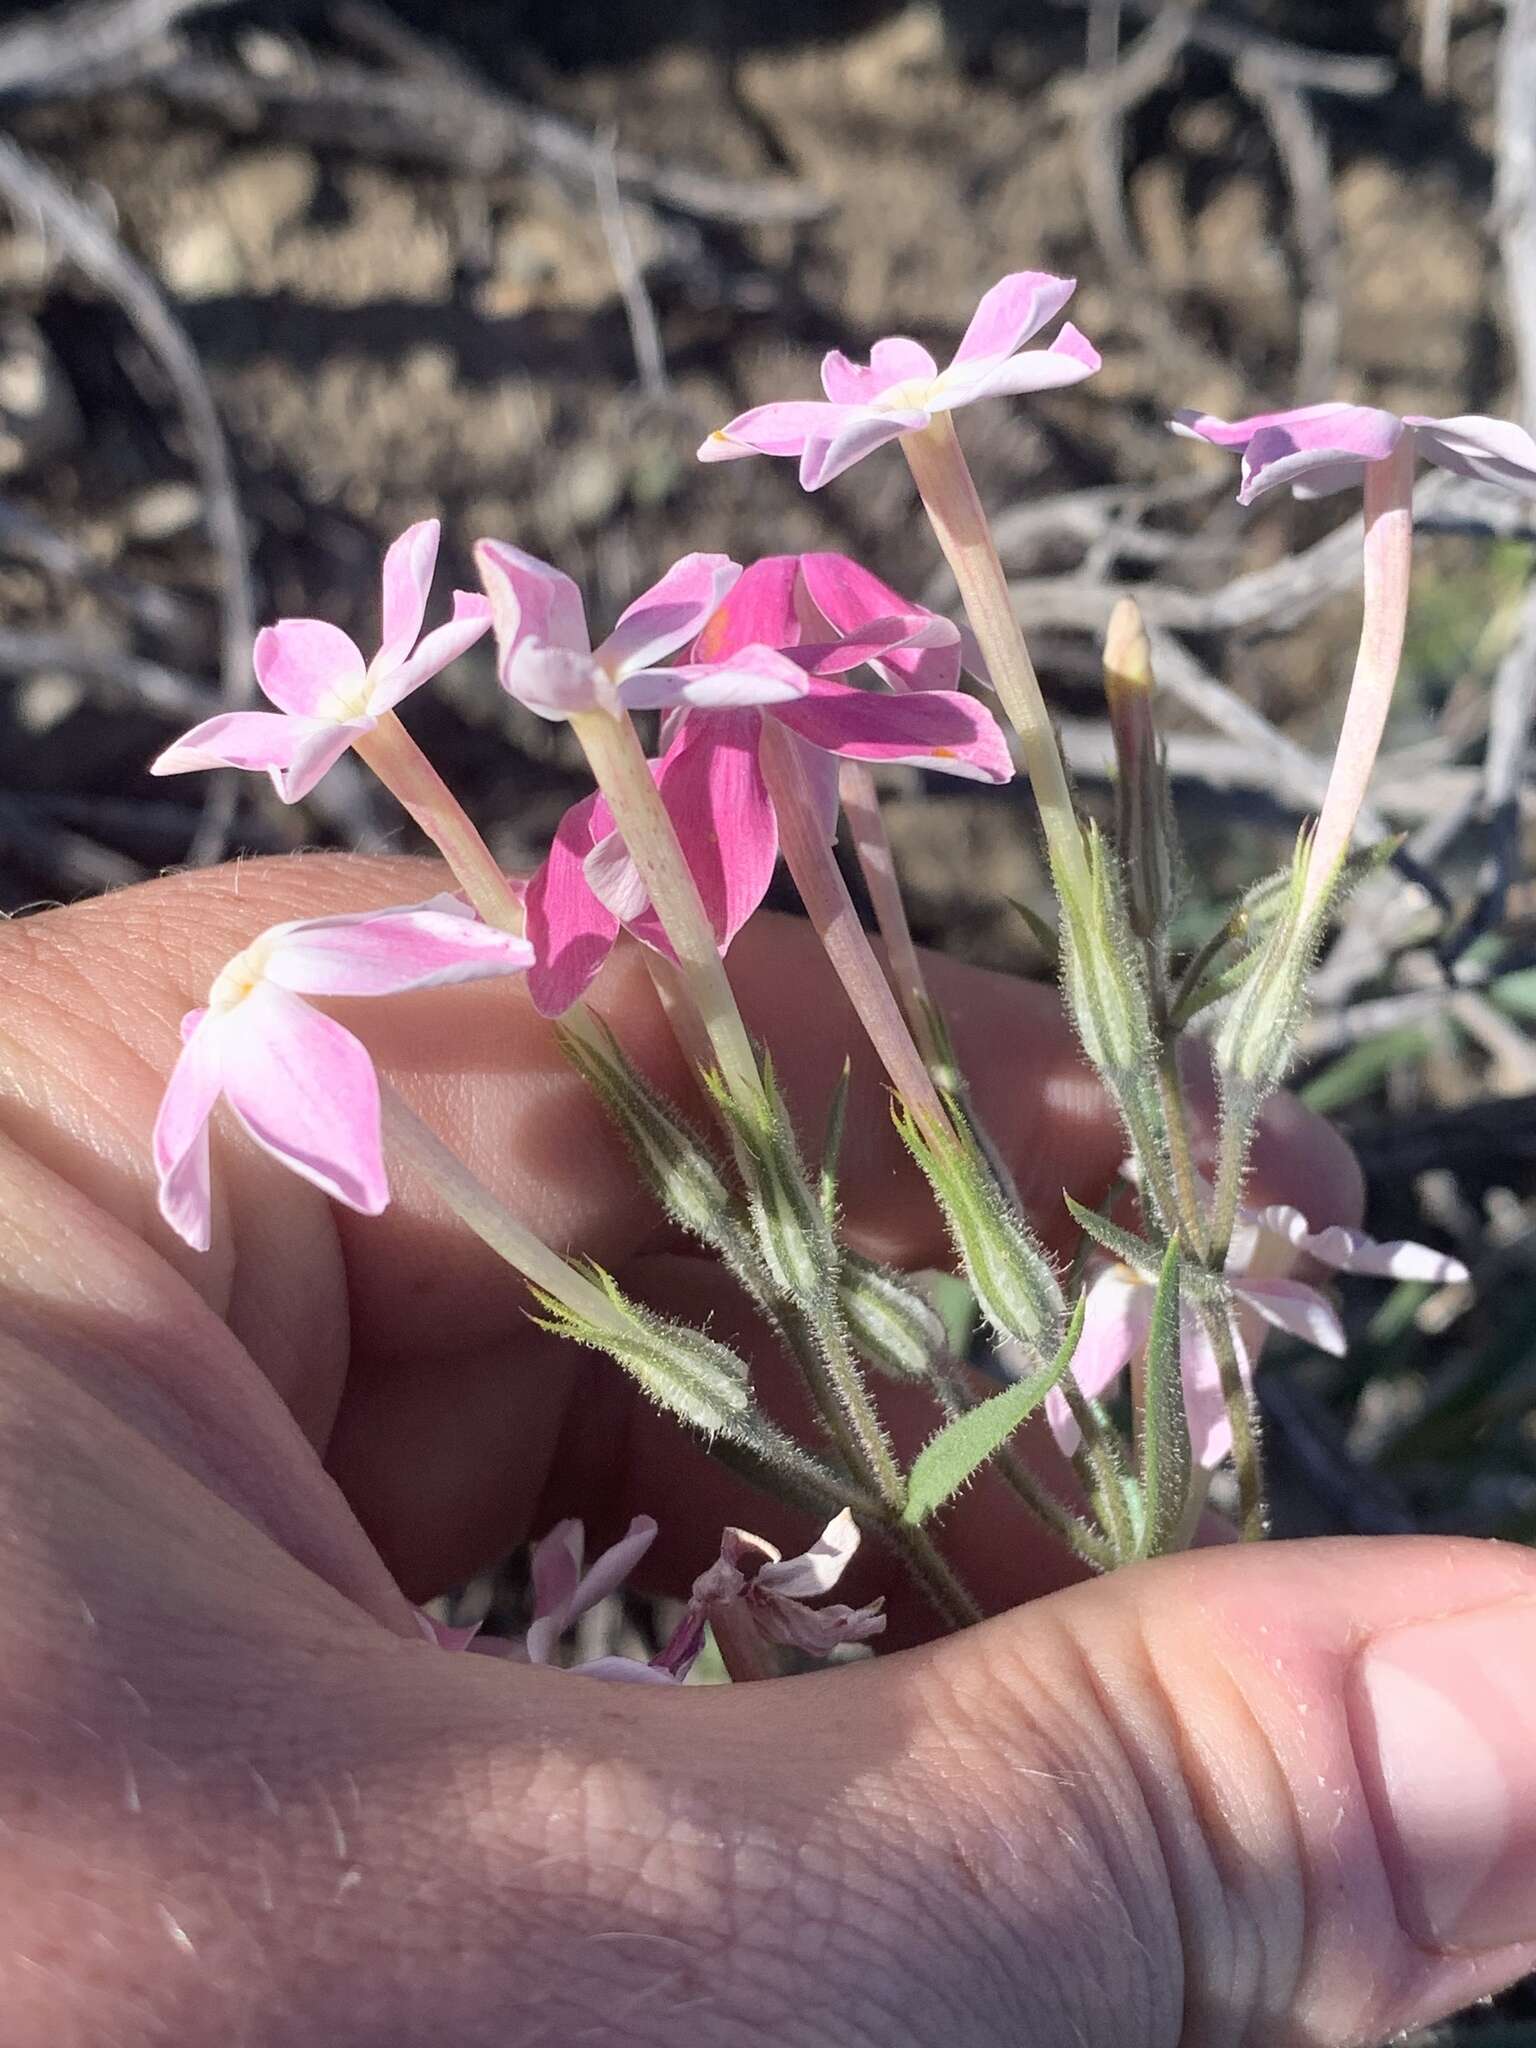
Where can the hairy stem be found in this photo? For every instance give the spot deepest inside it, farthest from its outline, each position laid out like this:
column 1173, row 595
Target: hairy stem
column 417, row 787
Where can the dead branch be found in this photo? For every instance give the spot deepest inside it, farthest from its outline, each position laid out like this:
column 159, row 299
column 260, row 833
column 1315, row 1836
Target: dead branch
column 107, row 669
column 87, row 46
column 34, row 191
column 1302, row 148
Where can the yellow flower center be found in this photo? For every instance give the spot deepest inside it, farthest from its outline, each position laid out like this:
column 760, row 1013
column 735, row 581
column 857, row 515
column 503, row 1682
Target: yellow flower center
column 238, row 977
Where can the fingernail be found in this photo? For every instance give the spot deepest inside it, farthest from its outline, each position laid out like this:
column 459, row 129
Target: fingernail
column 1445, row 1715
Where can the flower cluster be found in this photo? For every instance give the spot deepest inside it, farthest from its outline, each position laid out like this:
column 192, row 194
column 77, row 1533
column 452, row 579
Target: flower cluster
column 780, row 684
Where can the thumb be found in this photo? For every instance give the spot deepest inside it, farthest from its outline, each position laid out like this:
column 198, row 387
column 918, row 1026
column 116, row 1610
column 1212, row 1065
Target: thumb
column 1280, row 1795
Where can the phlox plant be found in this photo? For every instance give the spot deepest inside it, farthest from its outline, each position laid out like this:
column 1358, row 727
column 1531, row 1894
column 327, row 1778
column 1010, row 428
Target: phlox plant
column 781, row 686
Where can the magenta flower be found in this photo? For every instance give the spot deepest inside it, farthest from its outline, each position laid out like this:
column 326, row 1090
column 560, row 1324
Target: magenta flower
column 902, row 388
column 326, row 693
column 545, row 657
column 751, row 1589
column 710, row 777
column 563, row 1592
column 1118, row 1316
column 1321, row 448
column 301, row 1085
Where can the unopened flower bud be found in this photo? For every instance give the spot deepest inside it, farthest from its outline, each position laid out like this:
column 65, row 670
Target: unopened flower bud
column 1101, row 974
column 700, row 1380
column 1010, row 1275
column 892, row 1327
column 789, row 1219
column 1144, row 827
column 1257, row 1040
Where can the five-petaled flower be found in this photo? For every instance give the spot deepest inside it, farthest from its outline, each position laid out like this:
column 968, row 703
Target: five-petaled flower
column 299, row 1082
column 1321, row 448
column 327, row 694
column 1118, row 1315
column 545, row 656
column 752, row 1590
column 902, row 388
column 710, row 776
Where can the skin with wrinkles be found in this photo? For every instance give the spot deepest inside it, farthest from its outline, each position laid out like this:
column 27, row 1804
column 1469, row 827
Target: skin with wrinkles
column 241, row 1798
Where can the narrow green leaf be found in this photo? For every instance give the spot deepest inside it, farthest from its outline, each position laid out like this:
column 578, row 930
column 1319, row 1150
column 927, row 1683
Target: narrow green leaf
column 1044, row 934
column 1162, row 1424
column 952, row 1457
column 1125, row 1245
column 832, row 1147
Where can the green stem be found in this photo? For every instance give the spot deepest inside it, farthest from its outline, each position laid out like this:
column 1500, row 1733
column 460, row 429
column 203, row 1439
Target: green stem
column 1247, row 1450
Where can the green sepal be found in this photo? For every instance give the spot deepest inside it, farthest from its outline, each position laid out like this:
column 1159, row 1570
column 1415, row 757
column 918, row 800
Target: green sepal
column 953, row 1456
column 1125, row 1245
column 832, row 1145
column 692, row 1375
column 1163, row 1453
column 889, row 1323
column 1042, row 932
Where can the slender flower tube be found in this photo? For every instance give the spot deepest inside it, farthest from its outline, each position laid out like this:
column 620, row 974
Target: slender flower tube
column 300, row 1083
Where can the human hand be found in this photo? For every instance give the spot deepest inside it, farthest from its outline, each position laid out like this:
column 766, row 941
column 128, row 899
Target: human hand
column 1275, row 1794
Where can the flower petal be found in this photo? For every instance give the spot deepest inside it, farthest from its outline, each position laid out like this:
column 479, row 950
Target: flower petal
column 407, row 580
column 622, row 1670
column 1293, row 1306
column 1069, row 359
column 817, row 1631
column 180, row 1142
column 294, row 751
column 781, row 428
column 1495, row 451
column 530, row 600
column 759, row 611
column 937, row 729
column 753, row 675
column 612, row 1567
column 669, row 614
column 848, row 597
column 895, row 360
column 849, row 439
column 307, row 666
column 306, row 1091
column 1116, row 1319
column 571, row 932
column 555, row 1569
column 713, row 788
column 554, row 682
column 387, row 952
column 1352, row 1251
column 1313, row 448
column 442, row 646
column 816, row 1570
column 1210, row 1428
column 1016, row 307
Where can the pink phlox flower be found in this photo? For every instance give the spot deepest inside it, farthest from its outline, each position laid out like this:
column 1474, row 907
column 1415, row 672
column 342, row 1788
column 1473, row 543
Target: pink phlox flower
column 1321, row 448
column 301, row 1085
column 445, row 1634
column 901, row 389
column 327, row 694
column 750, row 1585
column 545, row 658
column 1118, row 1315
column 563, row 1591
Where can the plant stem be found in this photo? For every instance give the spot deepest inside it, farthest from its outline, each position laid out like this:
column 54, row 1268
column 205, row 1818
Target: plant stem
column 949, row 496
column 872, row 847
column 417, row 787
column 1247, row 1451
column 1388, row 564
column 623, row 774
column 811, row 863
column 490, row 1220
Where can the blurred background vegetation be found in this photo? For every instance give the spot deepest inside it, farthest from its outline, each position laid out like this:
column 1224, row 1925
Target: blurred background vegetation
column 276, row 279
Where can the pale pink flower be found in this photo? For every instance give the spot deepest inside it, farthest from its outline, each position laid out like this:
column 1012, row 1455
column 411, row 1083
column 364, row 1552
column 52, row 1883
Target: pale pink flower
column 710, row 776
column 1118, row 1316
column 545, row 657
column 327, row 694
column 750, row 1587
column 300, row 1084
column 1321, row 448
column 902, row 388
column 563, row 1591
